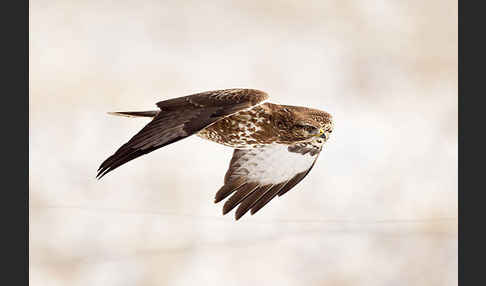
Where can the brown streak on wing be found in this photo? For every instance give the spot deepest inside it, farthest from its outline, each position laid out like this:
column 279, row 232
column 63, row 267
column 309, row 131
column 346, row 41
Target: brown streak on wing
column 267, row 197
column 228, row 189
column 237, row 154
column 250, row 200
column 239, row 196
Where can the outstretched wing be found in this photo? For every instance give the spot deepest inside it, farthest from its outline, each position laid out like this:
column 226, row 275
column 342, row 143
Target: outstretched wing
column 256, row 176
column 179, row 118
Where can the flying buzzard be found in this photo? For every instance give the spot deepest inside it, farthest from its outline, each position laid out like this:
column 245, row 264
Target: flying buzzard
column 275, row 146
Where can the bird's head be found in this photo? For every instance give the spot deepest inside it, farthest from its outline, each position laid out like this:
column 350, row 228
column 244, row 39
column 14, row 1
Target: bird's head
column 315, row 128
column 306, row 124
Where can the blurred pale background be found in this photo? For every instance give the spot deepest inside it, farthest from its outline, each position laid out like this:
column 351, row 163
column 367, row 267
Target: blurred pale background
column 379, row 208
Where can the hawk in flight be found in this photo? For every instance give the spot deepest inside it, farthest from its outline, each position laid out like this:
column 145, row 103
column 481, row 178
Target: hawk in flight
column 275, row 146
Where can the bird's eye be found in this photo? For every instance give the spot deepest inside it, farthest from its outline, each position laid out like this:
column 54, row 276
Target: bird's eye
column 309, row 128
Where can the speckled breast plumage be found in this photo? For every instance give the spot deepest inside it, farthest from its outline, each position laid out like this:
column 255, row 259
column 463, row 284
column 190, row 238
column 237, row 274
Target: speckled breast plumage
column 245, row 129
column 254, row 128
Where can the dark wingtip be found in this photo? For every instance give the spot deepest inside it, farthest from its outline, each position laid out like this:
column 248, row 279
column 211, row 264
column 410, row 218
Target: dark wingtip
column 238, row 216
column 240, row 212
column 100, row 175
column 102, row 171
column 226, row 209
column 217, row 199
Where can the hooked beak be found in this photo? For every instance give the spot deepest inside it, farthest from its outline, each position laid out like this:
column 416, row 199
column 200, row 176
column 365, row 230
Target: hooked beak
column 321, row 134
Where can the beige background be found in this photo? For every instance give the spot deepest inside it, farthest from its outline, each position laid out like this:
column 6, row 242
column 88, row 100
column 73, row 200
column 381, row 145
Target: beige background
column 379, row 208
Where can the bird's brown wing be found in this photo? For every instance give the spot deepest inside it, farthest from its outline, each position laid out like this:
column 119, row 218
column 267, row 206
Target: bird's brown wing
column 256, row 176
column 179, row 118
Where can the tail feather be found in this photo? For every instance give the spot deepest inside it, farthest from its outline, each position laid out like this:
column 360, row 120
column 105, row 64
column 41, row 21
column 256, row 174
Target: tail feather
column 150, row 113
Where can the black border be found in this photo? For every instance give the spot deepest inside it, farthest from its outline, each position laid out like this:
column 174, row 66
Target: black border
column 471, row 121
column 15, row 142
column 460, row 103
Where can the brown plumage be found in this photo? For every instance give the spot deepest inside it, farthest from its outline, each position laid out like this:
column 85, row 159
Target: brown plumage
column 275, row 145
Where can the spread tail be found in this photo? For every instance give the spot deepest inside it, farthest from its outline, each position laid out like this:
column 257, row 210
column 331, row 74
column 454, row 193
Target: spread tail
column 150, row 113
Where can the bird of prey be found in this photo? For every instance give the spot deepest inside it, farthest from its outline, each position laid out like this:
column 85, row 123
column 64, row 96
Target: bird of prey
column 275, row 146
